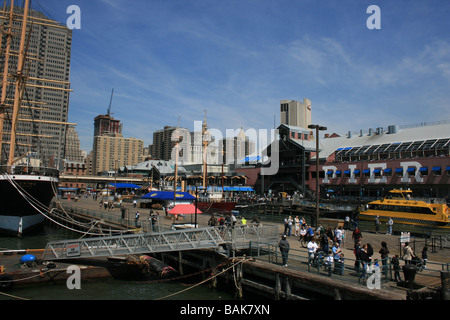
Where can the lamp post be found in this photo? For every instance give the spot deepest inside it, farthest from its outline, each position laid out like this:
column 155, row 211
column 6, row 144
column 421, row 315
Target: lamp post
column 318, row 128
column 196, row 204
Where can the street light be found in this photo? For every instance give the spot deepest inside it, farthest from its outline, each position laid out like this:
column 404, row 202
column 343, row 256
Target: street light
column 318, row 128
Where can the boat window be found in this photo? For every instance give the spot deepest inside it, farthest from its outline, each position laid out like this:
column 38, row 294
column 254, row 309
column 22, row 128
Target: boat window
column 403, row 209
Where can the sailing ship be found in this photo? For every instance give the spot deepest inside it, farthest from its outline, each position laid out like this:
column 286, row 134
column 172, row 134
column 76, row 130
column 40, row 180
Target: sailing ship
column 404, row 209
column 209, row 201
column 26, row 188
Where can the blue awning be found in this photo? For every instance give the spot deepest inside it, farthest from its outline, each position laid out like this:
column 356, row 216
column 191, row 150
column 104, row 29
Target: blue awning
column 399, row 170
column 125, row 186
column 366, row 171
column 168, row 195
column 346, row 171
column 436, row 168
column 329, row 171
column 411, row 169
column 239, row 189
column 356, row 171
column 338, row 171
column 377, row 170
column 388, row 170
column 423, row 169
column 251, row 159
column 448, row 168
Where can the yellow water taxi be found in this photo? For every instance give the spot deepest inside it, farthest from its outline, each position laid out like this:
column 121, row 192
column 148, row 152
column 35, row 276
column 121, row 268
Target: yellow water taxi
column 403, row 208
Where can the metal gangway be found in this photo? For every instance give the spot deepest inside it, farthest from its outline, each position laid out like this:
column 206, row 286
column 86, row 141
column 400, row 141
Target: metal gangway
column 146, row 243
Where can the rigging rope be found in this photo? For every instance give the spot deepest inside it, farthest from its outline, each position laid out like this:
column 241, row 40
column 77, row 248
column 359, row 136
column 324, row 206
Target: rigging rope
column 35, row 204
column 241, row 260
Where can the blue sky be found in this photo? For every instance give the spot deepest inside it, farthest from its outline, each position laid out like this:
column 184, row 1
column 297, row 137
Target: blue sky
column 174, row 58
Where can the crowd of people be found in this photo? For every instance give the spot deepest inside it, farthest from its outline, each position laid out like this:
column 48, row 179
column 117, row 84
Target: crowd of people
column 327, row 244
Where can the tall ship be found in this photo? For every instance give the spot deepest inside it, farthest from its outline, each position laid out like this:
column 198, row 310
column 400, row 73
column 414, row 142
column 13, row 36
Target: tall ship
column 404, row 209
column 27, row 182
column 214, row 202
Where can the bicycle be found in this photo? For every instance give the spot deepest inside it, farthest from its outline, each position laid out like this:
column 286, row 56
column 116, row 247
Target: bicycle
column 305, row 240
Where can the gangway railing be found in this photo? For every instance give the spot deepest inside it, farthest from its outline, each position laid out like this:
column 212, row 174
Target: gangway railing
column 145, row 243
column 180, row 240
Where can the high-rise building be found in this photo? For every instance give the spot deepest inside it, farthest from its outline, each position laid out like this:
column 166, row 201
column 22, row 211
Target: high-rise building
column 112, row 151
column 45, row 104
column 105, row 124
column 236, row 149
column 73, row 151
column 164, row 141
column 295, row 113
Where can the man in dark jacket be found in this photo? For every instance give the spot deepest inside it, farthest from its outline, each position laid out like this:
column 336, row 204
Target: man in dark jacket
column 284, row 248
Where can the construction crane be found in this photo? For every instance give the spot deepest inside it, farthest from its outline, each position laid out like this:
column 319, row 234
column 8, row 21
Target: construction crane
column 110, row 102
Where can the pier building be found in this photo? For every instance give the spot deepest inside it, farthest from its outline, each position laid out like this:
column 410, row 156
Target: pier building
column 366, row 163
column 372, row 163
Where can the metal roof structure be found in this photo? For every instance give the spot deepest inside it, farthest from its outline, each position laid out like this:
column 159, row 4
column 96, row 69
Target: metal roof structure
column 420, row 140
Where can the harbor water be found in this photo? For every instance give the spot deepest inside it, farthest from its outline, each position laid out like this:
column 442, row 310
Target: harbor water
column 102, row 289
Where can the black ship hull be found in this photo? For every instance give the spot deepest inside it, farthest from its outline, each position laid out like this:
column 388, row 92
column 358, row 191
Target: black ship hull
column 23, row 198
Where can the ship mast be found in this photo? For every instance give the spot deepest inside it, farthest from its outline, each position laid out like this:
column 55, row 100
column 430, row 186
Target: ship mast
column 20, row 79
column 204, row 144
column 5, row 77
column 176, row 161
column 20, row 82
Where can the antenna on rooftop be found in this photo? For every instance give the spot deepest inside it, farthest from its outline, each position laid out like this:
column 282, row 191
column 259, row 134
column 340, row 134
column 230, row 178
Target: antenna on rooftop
column 110, row 102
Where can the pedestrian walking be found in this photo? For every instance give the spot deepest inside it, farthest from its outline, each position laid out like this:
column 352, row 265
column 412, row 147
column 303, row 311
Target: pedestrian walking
column 288, row 226
column 357, row 235
column 302, row 233
column 357, row 252
column 297, row 226
column 365, row 260
column 233, row 220
column 390, row 223
column 284, row 248
column 407, row 253
column 425, row 256
column 396, row 266
column 312, row 248
column 377, row 224
column 347, row 222
column 339, row 235
column 324, row 242
column 136, row 219
column 384, row 252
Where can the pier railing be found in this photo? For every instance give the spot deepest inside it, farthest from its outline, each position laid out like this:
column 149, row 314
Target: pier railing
column 30, row 170
column 351, row 270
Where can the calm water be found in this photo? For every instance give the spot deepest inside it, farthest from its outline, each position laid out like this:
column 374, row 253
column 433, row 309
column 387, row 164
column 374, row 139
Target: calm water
column 109, row 289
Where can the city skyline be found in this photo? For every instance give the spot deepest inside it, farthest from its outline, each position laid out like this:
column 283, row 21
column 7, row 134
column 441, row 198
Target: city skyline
column 239, row 59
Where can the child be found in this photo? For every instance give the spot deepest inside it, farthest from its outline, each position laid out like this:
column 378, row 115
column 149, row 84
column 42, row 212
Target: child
column 339, row 265
column 376, row 263
column 396, row 264
column 329, row 261
column 425, row 256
